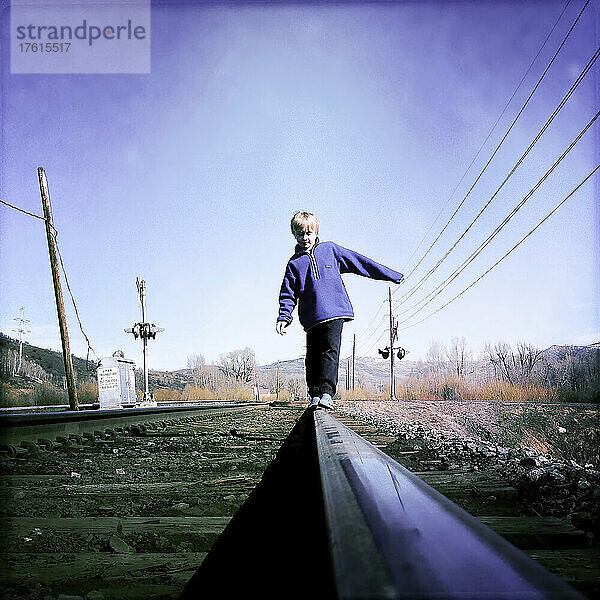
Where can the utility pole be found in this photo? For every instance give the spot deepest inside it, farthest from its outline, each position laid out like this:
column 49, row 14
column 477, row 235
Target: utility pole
column 353, row 358
column 20, row 330
column 347, row 374
column 392, row 339
column 256, row 390
column 60, row 305
column 389, row 350
column 277, row 383
column 145, row 331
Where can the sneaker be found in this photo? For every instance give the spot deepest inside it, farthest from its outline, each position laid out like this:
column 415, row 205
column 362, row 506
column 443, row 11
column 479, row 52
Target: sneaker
column 314, row 403
column 326, row 401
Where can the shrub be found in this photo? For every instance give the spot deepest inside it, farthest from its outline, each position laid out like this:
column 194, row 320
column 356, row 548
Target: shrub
column 46, row 394
column 242, row 394
column 356, row 394
column 87, row 392
column 195, row 393
column 167, row 395
column 284, row 396
column 9, row 396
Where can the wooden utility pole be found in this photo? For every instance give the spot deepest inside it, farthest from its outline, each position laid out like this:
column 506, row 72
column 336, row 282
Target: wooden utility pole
column 60, row 305
column 347, row 374
column 353, row 359
column 277, row 383
column 392, row 336
column 257, row 391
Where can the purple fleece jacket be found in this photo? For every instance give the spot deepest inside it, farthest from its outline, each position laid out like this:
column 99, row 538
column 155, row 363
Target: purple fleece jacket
column 313, row 279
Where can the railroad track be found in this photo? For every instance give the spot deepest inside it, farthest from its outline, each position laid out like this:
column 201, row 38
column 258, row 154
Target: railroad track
column 25, row 432
column 552, row 542
column 132, row 515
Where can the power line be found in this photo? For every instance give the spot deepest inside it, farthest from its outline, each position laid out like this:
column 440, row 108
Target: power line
column 376, row 342
column 55, row 235
column 512, row 171
column 373, row 319
column 498, row 148
column 22, row 210
column 494, row 233
column 486, row 140
column 507, row 253
column 62, row 266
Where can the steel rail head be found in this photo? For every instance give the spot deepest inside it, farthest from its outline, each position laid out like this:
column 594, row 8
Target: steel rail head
column 393, row 536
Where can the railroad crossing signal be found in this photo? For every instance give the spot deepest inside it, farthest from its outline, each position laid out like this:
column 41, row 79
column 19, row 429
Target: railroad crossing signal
column 388, row 351
column 385, row 352
column 145, row 331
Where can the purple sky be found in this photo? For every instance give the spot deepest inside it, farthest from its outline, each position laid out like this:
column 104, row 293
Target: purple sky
column 366, row 114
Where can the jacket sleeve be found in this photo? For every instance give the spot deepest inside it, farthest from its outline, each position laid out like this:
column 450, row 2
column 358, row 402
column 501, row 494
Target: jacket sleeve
column 353, row 262
column 287, row 295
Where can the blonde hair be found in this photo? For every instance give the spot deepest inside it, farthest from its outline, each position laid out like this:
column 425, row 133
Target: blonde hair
column 301, row 219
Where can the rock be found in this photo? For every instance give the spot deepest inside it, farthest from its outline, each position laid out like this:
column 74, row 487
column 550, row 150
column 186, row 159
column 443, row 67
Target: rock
column 557, row 476
column 180, row 506
column 94, row 595
column 69, row 597
column 535, row 474
column 118, row 546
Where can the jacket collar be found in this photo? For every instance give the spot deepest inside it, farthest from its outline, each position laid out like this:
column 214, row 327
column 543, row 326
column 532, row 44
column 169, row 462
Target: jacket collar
column 298, row 250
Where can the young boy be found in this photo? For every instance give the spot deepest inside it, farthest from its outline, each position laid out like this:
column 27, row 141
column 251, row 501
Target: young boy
column 313, row 281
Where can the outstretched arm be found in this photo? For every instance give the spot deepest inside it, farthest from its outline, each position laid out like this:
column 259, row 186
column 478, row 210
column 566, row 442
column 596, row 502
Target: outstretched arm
column 353, row 262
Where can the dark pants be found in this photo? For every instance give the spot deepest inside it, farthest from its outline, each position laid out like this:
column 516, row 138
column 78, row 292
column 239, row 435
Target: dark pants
column 323, row 357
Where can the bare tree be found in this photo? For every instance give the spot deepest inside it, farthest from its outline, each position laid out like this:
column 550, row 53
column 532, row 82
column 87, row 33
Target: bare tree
column 296, row 386
column 516, row 366
column 459, row 355
column 196, row 364
column 528, row 357
column 436, row 357
column 501, row 357
column 238, row 365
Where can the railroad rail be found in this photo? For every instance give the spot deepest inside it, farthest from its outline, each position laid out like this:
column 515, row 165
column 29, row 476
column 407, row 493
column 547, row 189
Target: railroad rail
column 22, row 432
column 134, row 514
column 334, row 517
column 129, row 515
